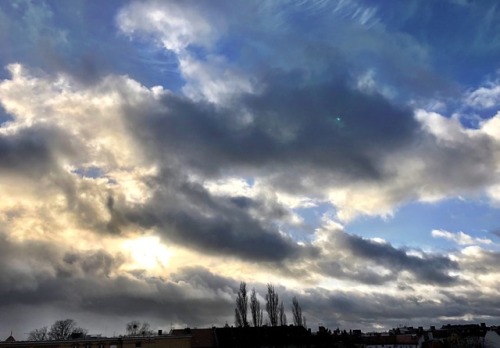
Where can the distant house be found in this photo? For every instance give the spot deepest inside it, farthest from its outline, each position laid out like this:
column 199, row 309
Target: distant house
column 265, row 336
column 394, row 341
column 249, row 337
column 468, row 335
column 10, row 338
column 157, row 341
column 449, row 336
column 200, row 338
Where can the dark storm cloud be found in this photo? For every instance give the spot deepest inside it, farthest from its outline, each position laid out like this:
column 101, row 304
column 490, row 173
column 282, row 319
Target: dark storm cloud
column 323, row 127
column 87, row 282
column 430, row 269
column 327, row 127
column 186, row 213
column 46, row 273
column 36, row 256
column 351, row 271
column 29, row 152
column 37, row 152
column 350, row 257
column 92, row 263
column 305, row 134
column 310, row 126
column 355, row 310
column 195, row 297
column 201, row 277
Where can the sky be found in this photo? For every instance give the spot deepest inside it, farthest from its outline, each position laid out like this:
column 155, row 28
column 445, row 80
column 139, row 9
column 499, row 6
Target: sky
column 155, row 154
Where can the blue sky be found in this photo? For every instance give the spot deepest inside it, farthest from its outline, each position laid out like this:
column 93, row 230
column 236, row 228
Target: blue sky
column 346, row 151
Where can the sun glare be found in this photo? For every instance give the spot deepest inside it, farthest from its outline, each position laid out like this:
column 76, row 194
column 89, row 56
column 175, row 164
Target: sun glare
column 147, row 253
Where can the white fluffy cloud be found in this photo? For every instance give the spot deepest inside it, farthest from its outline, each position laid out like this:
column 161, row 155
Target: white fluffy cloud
column 460, row 237
column 449, row 160
column 174, row 26
column 485, row 97
column 177, row 28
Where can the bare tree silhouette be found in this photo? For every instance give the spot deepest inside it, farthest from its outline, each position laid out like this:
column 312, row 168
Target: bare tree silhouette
column 272, row 303
column 297, row 313
column 136, row 328
column 65, row 329
column 240, row 312
column 41, row 334
column 257, row 313
column 282, row 315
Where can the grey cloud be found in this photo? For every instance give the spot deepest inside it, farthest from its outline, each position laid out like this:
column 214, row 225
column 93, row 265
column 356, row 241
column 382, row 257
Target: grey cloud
column 484, row 262
column 36, row 154
column 313, row 129
column 242, row 201
column 179, row 208
column 465, row 166
column 302, row 138
column 197, row 297
column 347, row 256
column 47, row 270
column 117, row 220
column 332, row 127
column 294, row 141
column 28, row 152
column 186, row 213
column 38, row 151
column 267, row 208
column 360, row 310
column 92, row 263
column 351, row 271
column 429, row 269
column 89, row 284
column 201, row 277
column 37, row 260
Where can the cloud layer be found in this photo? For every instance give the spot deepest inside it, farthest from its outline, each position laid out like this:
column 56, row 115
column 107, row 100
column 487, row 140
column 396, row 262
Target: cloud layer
column 218, row 150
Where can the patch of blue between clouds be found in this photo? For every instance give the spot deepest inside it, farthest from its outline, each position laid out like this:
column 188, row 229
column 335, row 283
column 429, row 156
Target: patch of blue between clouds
column 4, row 116
column 413, row 223
column 250, row 181
column 473, row 117
column 312, row 217
column 89, row 172
column 155, row 66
